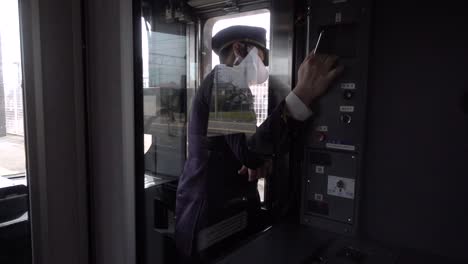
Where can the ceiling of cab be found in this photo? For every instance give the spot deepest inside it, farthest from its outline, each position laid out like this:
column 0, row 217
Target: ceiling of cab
column 212, row 8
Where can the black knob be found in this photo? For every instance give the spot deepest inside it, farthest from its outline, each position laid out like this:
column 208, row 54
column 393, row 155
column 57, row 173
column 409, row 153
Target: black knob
column 340, row 184
column 345, row 118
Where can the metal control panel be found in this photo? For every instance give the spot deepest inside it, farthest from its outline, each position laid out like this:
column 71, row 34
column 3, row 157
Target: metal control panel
column 334, row 143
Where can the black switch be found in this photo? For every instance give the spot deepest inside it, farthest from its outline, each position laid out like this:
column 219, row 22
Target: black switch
column 348, row 94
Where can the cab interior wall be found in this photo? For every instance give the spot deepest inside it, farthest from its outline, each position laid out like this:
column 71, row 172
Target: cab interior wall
column 417, row 128
column 414, row 181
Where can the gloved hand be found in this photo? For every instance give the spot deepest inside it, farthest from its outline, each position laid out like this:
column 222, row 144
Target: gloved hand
column 258, row 173
column 315, row 75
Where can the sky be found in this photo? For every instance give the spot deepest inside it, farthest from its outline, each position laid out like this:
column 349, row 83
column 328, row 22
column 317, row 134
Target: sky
column 10, row 38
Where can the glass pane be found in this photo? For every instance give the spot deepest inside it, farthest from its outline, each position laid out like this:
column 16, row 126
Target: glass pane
column 14, row 225
column 192, row 182
column 164, row 57
column 164, row 88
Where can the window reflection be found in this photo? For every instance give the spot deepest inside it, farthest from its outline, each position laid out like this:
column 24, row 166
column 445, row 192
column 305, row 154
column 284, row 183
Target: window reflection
column 225, row 112
column 164, row 74
column 164, row 57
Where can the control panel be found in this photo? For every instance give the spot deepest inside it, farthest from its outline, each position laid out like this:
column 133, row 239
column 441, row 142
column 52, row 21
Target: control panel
column 335, row 139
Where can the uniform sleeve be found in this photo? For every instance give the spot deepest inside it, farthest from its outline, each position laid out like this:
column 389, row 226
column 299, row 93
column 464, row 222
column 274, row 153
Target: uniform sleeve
column 297, row 108
column 272, row 137
column 276, row 132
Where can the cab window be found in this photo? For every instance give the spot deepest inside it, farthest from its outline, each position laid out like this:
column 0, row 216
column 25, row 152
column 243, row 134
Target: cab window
column 239, row 121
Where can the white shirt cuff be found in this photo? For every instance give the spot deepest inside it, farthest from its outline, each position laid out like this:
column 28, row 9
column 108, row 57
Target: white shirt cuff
column 297, row 108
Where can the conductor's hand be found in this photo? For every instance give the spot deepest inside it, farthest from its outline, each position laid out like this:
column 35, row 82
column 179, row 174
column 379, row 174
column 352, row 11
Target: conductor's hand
column 315, row 75
column 258, row 173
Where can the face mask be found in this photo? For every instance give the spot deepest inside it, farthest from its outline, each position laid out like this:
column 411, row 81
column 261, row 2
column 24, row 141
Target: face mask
column 252, row 68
